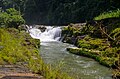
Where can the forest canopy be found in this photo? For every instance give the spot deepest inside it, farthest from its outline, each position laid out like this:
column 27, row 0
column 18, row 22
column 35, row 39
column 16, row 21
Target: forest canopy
column 60, row 12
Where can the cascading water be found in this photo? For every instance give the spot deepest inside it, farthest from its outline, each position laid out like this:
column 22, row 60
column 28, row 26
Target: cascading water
column 53, row 52
column 50, row 34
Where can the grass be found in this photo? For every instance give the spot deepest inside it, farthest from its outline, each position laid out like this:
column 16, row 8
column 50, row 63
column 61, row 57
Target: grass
column 99, row 56
column 19, row 47
column 16, row 47
column 111, row 14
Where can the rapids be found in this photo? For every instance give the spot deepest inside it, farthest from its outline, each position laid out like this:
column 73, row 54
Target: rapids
column 53, row 52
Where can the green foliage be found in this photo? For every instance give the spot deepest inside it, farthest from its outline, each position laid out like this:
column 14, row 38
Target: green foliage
column 110, row 14
column 100, row 50
column 99, row 40
column 13, row 51
column 60, row 11
column 12, row 11
column 11, row 18
column 46, row 70
column 116, row 34
column 72, row 30
column 64, row 11
column 17, row 4
column 91, row 43
column 91, row 30
column 109, row 57
column 18, row 47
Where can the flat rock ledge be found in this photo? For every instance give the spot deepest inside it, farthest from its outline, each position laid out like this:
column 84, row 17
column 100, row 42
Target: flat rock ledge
column 17, row 72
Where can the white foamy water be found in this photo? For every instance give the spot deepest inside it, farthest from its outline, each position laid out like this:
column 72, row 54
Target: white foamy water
column 50, row 34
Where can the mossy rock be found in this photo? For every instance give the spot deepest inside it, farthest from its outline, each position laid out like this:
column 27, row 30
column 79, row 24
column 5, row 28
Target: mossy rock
column 107, row 61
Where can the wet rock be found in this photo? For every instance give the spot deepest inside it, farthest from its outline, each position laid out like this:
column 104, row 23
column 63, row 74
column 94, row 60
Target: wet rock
column 42, row 28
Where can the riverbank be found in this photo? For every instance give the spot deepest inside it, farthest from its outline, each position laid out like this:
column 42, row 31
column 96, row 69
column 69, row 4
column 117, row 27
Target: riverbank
column 98, row 40
column 18, row 51
column 17, row 48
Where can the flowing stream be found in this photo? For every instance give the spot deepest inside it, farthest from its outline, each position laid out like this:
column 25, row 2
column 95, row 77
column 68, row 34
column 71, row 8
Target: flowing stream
column 54, row 52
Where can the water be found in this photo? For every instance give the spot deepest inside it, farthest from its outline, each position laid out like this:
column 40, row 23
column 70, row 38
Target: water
column 50, row 34
column 54, row 52
column 77, row 66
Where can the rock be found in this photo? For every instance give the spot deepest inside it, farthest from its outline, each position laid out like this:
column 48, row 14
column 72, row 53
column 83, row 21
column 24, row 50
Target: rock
column 17, row 72
column 42, row 28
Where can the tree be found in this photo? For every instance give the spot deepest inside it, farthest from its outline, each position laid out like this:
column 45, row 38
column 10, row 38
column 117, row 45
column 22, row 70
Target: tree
column 11, row 18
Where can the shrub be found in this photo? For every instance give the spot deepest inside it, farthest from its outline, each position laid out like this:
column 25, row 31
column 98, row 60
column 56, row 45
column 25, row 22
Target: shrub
column 11, row 18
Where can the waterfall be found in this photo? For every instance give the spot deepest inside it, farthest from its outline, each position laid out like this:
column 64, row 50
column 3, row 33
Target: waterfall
column 50, row 34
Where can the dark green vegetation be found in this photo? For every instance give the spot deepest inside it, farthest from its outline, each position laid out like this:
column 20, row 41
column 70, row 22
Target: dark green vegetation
column 20, row 48
column 11, row 18
column 98, row 39
column 60, row 11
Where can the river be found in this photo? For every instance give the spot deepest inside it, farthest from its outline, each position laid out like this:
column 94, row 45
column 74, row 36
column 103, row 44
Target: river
column 54, row 52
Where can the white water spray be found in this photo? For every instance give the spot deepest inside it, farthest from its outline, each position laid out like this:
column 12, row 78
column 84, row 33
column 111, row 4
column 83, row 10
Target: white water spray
column 50, row 34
